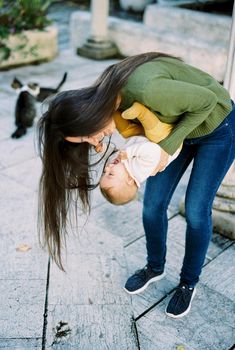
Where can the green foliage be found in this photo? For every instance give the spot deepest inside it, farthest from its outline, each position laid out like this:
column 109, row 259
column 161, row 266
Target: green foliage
column 19, row 15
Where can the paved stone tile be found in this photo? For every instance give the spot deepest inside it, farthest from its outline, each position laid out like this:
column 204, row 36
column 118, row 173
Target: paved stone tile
column 23, row 271
column 15, row 202
column 18, row 150
column 91, row 327
column 136, row 258
column 89, row 279
column 6, row 128
column 22, row 308
column 219, row 274
column 217, row 245
column 209, row 325
column 7, row 112
column 93, row 299
column 22, row 265
column 21, row 344
column 124, row 221
column 27, row 174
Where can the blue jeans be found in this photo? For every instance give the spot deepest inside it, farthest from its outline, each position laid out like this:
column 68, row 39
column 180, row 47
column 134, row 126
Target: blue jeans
column 212, row 156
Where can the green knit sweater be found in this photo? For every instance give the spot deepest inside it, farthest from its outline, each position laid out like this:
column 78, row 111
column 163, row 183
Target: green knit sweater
column 180, row 94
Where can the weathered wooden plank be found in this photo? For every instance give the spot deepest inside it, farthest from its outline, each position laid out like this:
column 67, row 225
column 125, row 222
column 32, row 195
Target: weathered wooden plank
column 209, row 325
column 94, row 305
column 220, row 273
column 21, row 344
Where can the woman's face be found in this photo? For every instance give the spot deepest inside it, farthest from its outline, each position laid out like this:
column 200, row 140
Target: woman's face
column 96, row 138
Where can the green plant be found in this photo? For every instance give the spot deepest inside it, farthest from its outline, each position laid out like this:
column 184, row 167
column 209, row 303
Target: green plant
column 16, row 16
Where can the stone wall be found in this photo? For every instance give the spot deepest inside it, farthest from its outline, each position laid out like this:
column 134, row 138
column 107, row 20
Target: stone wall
column 200, row 39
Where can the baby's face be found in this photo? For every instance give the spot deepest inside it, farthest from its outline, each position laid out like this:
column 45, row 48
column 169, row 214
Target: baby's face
column 114, row 175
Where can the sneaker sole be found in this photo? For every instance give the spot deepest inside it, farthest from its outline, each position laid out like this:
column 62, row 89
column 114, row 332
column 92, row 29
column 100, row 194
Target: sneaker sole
column 154, row 279
column 186, row 311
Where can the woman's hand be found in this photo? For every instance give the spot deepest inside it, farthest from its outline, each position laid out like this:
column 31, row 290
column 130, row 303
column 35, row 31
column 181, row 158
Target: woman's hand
column 101, row 147
column 122, row 155
column 162, row 163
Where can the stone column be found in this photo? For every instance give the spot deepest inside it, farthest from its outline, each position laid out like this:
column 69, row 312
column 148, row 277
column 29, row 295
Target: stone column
column 224, row 203
column 98, row 46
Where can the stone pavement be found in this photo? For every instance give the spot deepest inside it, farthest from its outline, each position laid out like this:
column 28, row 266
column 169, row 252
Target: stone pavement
column 86, row 307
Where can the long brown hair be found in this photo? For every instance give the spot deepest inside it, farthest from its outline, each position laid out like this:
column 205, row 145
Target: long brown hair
column 67, row 168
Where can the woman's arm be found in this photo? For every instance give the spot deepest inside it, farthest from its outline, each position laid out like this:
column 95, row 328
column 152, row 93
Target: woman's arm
column 154, row 129
column 126, row 127
column 191, row 103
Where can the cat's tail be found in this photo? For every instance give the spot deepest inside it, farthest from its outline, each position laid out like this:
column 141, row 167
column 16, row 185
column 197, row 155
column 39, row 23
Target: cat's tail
column 20, row 131
column 62, row 81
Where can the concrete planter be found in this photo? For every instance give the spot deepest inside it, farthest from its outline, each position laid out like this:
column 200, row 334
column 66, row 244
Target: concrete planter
column 30, row 46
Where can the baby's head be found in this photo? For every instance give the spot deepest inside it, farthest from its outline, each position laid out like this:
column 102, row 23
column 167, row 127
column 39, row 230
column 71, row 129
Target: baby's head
column 116, row 185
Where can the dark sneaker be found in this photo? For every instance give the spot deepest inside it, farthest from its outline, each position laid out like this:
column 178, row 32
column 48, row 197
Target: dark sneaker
column 141, row 279
column 180, row 303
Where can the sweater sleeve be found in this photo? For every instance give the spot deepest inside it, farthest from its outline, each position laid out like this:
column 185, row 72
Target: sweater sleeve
column 191, row 104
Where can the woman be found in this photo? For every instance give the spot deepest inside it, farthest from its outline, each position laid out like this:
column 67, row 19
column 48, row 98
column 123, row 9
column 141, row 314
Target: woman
column 201, row 110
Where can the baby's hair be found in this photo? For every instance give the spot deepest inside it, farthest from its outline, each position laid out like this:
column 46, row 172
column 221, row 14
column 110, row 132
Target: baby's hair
column 111, row 197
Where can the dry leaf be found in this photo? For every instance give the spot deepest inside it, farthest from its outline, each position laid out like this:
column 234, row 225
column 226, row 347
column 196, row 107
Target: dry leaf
column 23, row 248
column 180, row 347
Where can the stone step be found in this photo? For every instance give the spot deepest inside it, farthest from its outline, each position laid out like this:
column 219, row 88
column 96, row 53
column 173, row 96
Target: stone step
column 134, row 38
column 206, row 27
column 189, row 2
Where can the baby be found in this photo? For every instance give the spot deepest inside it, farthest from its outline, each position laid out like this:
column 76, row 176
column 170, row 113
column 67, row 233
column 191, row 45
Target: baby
column 139, row 157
